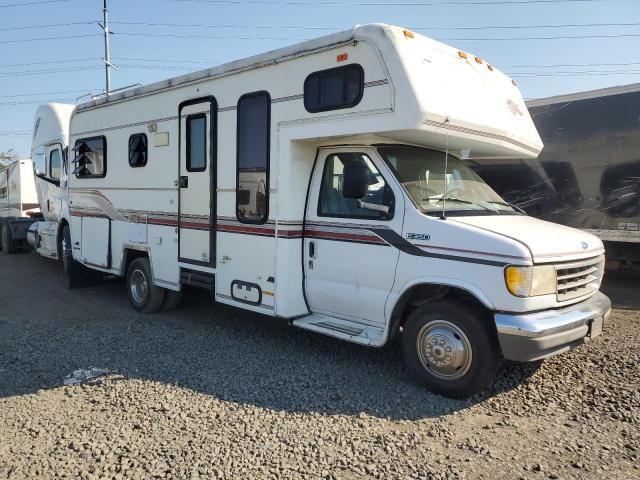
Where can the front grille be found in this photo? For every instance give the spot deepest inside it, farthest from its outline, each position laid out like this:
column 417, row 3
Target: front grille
column 577, row 279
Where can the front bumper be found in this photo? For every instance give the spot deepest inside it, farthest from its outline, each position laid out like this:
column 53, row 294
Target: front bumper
column 533, row 336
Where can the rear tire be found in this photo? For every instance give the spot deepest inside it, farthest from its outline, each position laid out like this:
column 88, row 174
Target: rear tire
column 9, row 245
column 143, row 294
column 451, row 349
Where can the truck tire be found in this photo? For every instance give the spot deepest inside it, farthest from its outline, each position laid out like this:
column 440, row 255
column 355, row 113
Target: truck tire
column 143, row 294
column 450, row 348
column 66, row 253
column 9, row 245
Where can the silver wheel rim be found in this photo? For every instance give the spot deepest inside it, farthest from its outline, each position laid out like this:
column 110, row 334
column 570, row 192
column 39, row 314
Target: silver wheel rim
column 138, row 286
column 444, row 350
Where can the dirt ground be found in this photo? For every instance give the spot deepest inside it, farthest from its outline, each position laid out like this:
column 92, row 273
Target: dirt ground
column 207, row 391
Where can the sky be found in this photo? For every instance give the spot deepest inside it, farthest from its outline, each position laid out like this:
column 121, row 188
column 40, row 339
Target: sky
column 52, row 50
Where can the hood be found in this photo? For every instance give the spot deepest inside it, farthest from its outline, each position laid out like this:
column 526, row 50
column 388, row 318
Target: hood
column 548, row 242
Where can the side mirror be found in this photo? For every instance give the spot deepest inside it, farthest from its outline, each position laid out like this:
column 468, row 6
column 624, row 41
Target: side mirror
column 355, row 180
column 243, row 197
column 40, row 165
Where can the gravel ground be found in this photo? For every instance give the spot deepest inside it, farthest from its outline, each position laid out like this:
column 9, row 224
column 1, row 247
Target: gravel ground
column 213, row 392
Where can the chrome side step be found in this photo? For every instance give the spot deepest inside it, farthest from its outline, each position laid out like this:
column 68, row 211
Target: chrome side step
column 343, row 329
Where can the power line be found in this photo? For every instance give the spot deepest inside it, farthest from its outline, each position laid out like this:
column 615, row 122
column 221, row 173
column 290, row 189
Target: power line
column 574, row 74
column 29, row 27
column 55, row 70
column 26, row 4
column 394, row 4
column 559, row 37
column 47, row 62
column 36, row 102
column 50, row 38
column 36, row 94
column 574, row 65
column 213, row 37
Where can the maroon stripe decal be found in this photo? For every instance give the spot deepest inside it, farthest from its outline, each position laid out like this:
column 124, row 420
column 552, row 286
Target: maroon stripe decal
column 350, row 237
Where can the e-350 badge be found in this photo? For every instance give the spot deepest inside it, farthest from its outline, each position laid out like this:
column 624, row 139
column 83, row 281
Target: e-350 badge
column 418, row 236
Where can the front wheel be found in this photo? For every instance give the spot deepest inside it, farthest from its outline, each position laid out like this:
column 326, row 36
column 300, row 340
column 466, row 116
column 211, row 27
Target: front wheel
column 450, row 349
column 143, row 294
column 66, row 252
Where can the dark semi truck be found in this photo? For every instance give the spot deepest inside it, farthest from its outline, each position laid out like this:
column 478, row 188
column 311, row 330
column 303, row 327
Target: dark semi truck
column 588, row 174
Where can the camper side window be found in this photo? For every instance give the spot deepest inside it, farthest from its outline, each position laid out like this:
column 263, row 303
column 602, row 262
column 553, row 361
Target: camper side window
column 333, row 89
column 197, row 143
column 138, row 150
column 90, row 157
column 252, row 173
column 55, row 164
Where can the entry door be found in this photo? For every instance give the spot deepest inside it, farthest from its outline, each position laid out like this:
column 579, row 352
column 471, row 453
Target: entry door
column 349, row 268
column 197, row 182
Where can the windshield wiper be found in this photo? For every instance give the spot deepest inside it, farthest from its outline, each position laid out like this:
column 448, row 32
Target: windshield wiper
column 468, row 202
column 512, row 205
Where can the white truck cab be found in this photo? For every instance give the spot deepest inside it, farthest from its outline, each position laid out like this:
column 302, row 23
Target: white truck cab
column 326, row 183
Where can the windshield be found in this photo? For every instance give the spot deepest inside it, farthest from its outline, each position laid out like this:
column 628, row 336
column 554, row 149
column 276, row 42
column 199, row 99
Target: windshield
column 421, row 172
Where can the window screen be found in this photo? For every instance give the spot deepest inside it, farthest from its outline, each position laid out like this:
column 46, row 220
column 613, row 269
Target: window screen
column 138, row 150
column 196, row 143
column 55, row 164
column 333, row 89
column 334, row 204
column 91, row 157
column 252, row 195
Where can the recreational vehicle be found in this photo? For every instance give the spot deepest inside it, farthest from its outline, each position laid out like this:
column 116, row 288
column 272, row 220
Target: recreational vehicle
column 18, row 204
column 588, row 175
column 326, row 183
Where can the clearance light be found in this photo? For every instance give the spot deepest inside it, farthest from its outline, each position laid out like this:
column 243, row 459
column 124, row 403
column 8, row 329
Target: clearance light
column 342, row 57
column 408, row 33
column 462, row 54
column 515, row 84
column 478, row 60
column 490, row 67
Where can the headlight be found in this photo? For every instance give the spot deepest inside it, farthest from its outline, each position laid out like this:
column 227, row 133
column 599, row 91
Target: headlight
column 531, row 281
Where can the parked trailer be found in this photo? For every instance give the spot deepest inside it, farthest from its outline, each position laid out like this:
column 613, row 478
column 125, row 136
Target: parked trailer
column 18, row 204
column 588, row 175
column 325, row 183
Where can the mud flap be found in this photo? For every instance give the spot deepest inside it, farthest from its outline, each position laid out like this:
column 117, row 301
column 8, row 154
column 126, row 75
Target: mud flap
column 81, row 276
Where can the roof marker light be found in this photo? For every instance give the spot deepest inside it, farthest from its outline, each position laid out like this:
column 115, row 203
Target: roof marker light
column 342, row 57
column 478, row 60
column 515, row 84
column 461, row 54
column 490, row 67
column 408, row 33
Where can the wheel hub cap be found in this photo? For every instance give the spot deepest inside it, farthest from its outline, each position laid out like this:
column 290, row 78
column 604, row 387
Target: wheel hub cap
column 138, row 286
column 444, row 350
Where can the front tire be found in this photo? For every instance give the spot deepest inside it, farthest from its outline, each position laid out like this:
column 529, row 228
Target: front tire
column 66, row 253
column 451, row 349
column 143, row 294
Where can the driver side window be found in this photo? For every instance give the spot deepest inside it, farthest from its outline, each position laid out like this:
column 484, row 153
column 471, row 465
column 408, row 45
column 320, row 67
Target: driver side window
column 55, row 164
column 333, row 203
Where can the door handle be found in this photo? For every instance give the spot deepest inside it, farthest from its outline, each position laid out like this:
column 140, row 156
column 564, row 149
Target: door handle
column 184, row 181
column 312, row 249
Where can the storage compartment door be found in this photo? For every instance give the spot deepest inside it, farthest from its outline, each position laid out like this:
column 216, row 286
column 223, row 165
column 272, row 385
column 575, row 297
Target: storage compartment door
column 95, row 241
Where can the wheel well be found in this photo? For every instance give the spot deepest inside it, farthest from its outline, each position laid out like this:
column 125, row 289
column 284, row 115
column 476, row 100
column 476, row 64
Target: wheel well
column 129, row 255
column 418, row 295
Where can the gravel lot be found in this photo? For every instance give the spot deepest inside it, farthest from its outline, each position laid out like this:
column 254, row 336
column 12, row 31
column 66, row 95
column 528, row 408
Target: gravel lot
column 212, row 392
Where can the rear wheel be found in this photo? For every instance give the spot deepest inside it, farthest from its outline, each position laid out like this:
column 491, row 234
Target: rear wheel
column 143, row 294
column 451, row 349
column 9, row 245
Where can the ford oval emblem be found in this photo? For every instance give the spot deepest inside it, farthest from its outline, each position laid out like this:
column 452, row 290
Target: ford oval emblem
column 585, row 245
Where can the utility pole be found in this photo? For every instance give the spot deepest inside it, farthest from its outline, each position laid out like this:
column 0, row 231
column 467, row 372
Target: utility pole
column 107, row 56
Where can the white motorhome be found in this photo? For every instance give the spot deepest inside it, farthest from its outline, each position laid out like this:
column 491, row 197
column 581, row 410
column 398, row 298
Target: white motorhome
column 49, row 153
column 325, row 183
column 18, row 204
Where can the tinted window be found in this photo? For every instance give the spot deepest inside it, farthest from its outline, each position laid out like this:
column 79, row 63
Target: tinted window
column 333, row 89
column 334, row 204
column 252, row 195
column 196, row 143
column 55, row 164
column 91, row 157
column 138, row 150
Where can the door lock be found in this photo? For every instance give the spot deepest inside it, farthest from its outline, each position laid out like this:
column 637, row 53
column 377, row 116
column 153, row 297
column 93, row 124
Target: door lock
column 184, row 181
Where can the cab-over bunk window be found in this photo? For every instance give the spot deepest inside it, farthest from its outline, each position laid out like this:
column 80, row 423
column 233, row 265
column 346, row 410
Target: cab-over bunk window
column 254, row 123
column 333, row 89
column 91, row 157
